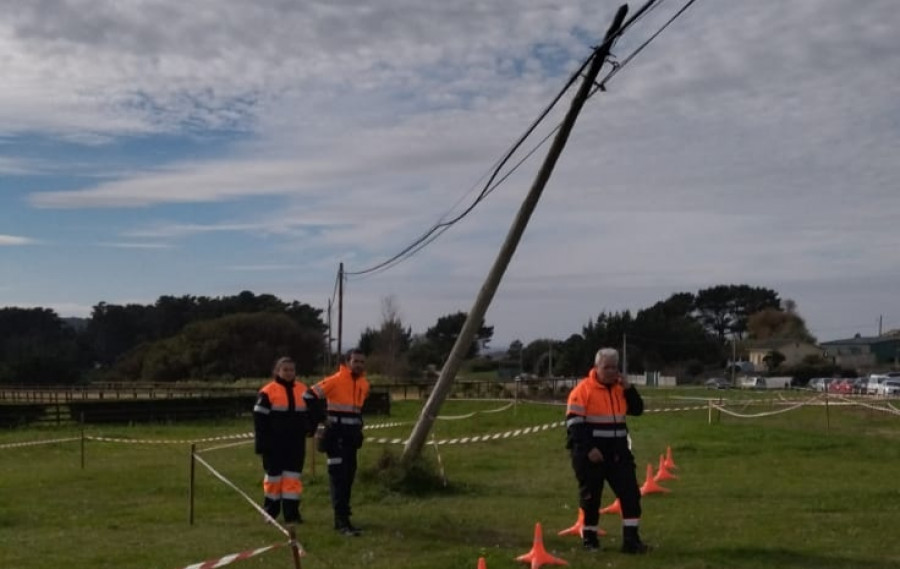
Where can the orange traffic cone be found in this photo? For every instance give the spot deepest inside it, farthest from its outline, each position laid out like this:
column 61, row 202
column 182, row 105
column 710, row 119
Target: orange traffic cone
column 579, row 524
column 482, row 564
column 614, row 508
column 650, row 486
column 538, row 555
column 670, row 462
column 663, row 473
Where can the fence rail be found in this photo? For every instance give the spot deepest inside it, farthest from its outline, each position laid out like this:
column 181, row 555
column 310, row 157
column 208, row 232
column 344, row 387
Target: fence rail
column 113, row 391
column 66, row 405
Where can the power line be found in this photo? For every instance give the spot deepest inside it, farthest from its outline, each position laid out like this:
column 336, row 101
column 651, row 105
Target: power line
column 493, row 182
column 618, row 67
column 441, row 226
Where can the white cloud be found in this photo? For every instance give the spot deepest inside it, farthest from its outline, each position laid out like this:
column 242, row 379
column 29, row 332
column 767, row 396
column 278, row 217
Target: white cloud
column 14, row 240
column 136, row 245
column 252, row 268
column 148, row 67
column 752, row 142
column 16, row 166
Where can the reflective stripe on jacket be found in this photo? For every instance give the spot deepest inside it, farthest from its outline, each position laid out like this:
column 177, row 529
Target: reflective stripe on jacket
column 344, row 395
column 280, row 418
column 595, row 414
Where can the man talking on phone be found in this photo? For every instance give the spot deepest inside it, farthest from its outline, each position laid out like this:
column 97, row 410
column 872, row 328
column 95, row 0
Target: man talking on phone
column 598, row 440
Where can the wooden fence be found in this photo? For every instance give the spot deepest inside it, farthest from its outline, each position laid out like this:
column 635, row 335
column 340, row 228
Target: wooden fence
column 126, row 403
column 155, row 402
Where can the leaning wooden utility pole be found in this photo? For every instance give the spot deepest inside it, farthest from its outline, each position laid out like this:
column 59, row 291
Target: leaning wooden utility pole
column 473, row 322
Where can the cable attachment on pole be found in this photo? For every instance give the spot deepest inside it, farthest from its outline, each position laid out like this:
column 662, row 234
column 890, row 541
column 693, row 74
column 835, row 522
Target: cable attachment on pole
column 613, row 61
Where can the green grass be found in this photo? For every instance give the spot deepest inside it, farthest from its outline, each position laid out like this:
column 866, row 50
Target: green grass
column 779, row 491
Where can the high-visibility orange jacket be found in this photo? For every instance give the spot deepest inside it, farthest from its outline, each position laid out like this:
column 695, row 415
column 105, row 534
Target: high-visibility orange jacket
column 280, row 417
column 344, row 397
column 595, row 414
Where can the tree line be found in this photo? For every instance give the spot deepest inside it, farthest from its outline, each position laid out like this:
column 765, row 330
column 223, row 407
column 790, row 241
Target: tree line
column 222, row 338
column 686, row 334
column 174, row 338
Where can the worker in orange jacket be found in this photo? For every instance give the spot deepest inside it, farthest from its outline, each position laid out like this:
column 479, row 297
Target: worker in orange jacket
column 281, row 424
column 343, row 395
column 600, row 447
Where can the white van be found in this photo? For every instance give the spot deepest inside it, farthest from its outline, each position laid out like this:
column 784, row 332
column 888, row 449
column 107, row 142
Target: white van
column 873, row 385
column 752, row 382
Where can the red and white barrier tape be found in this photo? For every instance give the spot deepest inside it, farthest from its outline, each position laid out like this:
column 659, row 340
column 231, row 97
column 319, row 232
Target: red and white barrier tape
column 250, row 500
column 228, row 559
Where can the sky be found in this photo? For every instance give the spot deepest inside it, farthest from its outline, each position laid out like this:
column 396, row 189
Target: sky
column 164, row 147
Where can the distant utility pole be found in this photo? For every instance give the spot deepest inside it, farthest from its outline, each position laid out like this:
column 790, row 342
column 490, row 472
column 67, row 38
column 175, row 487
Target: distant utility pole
column 328, row 339
column 880, row 321
column 733, row 360
column 550, row 359
column 340, row 309
column 625, row 355
column 430, row 411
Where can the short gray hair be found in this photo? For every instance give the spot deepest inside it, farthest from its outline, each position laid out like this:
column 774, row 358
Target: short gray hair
column 610, row 354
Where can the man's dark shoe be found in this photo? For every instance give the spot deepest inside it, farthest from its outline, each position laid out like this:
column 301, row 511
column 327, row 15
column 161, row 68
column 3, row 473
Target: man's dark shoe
column 589, row 540
column 635, row 548
column 346, row 528
column 632, row 544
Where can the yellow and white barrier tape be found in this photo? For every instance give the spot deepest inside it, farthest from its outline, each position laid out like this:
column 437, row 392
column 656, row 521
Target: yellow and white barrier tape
column 473, row 413
column 668, row 409
column 247, row 438
column 888, row 408
column 168, row 441
column 35, row 443
column 792, row 407
column 477, row 438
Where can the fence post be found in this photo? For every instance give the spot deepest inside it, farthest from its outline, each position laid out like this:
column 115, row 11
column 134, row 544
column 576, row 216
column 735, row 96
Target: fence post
column 82, row 441
column 191, row 488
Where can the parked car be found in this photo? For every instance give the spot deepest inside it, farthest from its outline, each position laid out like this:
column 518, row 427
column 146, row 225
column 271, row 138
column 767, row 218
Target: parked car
column 717, row 383
column 818, row 383
column 889, row 387
column 841, row 386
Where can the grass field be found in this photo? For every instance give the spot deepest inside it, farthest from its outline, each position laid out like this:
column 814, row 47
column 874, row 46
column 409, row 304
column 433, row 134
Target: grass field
column 797, row 489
